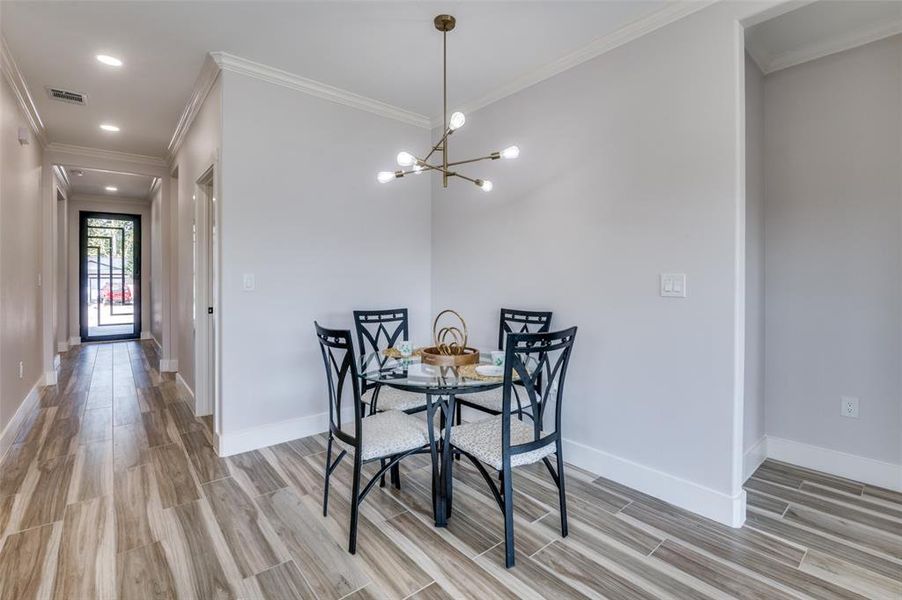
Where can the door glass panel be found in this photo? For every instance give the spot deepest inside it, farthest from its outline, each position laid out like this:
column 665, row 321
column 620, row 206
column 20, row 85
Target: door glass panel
column 110, row 277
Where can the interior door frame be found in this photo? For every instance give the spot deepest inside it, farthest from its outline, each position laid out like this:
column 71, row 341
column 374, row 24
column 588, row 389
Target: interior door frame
column 207, row 332
column 83, row 216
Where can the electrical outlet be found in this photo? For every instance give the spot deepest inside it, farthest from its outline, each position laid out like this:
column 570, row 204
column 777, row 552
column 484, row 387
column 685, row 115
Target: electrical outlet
column 849, row 407
column 21, row 369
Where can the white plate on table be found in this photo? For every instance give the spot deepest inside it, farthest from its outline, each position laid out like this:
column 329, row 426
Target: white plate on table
column 490, row 370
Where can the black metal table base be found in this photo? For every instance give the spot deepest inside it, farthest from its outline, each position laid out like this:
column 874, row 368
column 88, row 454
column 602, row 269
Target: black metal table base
column 441, row 459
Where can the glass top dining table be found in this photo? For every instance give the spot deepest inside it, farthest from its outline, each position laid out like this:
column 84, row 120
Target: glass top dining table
column 440, row 385
column 411, row 375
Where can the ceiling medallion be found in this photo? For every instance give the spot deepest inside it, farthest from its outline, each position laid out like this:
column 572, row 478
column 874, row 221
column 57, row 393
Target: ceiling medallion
column 417, row 165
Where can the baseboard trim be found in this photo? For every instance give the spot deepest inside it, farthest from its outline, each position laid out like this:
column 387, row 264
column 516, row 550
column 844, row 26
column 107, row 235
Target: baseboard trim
column 169, row 365
column 49, row 377
column 145, row 335
column 723, row 508
column 254, row 438
column 74, row 341
column 184, row 385
column 62, row 346
column 834, row 462
column 28, row 404
column 157, row 344
column 753, row 457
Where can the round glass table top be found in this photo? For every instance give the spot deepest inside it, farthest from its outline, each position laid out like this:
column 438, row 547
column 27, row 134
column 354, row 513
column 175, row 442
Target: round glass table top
column 412, row 375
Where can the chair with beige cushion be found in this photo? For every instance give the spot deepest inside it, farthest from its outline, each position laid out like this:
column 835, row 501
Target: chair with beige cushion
column 387, row 436
column 502, row 442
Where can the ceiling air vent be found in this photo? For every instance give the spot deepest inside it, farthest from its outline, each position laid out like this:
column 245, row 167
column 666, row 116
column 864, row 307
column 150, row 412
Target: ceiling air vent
column 67, row 96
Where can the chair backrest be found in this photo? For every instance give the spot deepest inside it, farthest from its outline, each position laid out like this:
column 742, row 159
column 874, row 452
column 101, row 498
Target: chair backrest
column 378, row 330
column 340, row 363
column 535, row 358
column 522, row 321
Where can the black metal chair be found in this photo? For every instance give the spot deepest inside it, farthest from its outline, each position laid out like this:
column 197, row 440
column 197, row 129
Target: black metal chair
column 512, row 321
column 378, row 330
column 387, row 436
column 504, row 443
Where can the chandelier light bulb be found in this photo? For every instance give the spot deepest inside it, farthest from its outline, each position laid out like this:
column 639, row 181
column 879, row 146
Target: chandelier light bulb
column 405, row 159
column 456, row 121
column 485, row 184
column 385, row 176
column 417, row 169
column 510, row 152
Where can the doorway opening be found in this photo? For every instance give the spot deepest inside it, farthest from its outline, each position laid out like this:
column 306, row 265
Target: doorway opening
column 110, row 276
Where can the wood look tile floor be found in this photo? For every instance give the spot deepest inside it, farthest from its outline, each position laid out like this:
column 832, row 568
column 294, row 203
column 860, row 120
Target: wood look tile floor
column 112, row 490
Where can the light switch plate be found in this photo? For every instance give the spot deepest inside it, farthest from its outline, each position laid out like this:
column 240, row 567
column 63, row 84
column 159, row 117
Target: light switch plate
column 249, row 283
column 673, row 285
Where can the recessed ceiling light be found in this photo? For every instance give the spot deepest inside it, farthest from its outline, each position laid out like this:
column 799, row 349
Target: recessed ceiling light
column 109, row 60
column 111, row 188
column 108, row 127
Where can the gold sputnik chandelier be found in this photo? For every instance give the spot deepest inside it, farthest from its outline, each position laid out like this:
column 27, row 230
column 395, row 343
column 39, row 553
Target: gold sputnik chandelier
column 415, row 164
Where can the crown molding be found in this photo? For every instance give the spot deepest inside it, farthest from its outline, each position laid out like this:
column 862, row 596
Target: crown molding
column 249, row 68
column 62, row 176
column 209, row 73
column 85, row 151
column 857, row 38
column 223, row 61
column 20, row 89
column 670, row 13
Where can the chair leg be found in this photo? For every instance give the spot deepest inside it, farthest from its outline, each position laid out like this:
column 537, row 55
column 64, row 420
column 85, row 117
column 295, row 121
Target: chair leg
column 355, row 504
column 459, row 420
column 396, row 476
column 562, row 495
column 508, row 517
column 327, row 473
column 382, row 477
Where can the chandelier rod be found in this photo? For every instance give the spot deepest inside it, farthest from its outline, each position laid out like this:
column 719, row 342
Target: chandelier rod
column 445, row 106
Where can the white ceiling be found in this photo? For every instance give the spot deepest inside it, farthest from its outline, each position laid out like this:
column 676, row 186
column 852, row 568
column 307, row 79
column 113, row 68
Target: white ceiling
column 92, row 182
column 386, row 51
column 821, row 28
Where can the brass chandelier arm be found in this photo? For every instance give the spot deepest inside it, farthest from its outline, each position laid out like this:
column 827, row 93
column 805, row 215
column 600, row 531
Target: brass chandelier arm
column 440, row 144
column 492, row 156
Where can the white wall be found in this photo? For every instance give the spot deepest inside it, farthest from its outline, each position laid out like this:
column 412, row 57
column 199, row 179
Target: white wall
column 130, row 206
column 301, row 209
column 753, row 432
column 198, row 152
column 156, row 266
column 20, row 258
column 631, row 166
column 833, row 222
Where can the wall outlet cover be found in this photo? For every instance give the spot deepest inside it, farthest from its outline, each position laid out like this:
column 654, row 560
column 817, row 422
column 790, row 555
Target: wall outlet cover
column 849, row 407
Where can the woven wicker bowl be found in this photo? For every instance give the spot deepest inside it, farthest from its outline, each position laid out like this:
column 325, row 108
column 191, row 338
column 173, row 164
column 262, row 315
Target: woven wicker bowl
column 432, row 356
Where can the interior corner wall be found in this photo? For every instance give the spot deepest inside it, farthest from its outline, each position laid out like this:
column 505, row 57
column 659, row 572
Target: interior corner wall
column 833, row 223
column 301, row 209
column 629, row 168
column 156, row 266
column 199, row 150
column 753, row 422
column 130, row 206
column 21, row 168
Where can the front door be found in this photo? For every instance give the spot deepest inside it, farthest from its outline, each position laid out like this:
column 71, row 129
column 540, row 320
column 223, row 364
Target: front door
column 110, row 290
